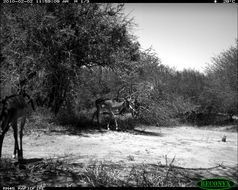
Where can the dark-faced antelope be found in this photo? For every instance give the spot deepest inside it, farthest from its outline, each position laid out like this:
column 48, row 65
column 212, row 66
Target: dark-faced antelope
column 14, row 107
column 112, row 107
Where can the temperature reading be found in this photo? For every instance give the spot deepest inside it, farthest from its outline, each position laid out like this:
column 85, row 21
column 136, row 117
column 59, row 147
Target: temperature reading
column 229, row 1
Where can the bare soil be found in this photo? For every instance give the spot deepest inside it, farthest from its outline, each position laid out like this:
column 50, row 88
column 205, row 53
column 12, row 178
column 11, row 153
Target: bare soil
column 192, row 147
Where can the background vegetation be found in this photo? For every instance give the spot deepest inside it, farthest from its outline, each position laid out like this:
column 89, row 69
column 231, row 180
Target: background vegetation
column 67, row 56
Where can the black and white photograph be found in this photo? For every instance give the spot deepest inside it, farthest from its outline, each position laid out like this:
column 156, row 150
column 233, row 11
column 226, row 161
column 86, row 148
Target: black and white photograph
column 118, row 95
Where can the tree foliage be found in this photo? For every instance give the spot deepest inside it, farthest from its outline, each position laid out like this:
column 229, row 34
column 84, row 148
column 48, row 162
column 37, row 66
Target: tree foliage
column 67, row 56
column 57, row 41
column 221, row 92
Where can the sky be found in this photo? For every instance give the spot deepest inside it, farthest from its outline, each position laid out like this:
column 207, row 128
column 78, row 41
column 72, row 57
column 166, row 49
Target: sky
column 184, row 36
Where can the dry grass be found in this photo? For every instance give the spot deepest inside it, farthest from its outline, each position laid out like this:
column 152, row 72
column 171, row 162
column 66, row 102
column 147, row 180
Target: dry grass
column 52, row 173
column 60, row 173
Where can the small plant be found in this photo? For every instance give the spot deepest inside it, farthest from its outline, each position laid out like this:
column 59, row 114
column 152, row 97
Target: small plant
column 131, row 158
column 223, row 138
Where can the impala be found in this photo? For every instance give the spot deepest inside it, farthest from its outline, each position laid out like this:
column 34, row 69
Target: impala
column 14, row 107
column 112, row 107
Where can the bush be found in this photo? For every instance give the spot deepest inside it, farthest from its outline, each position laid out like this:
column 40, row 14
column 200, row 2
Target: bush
column 163, row 110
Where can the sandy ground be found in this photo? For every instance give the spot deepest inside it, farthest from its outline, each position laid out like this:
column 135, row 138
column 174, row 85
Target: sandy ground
column 191, row 147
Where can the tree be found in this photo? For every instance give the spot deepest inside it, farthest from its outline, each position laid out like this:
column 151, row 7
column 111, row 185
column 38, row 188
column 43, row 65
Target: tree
column 222, row 92
column 58, row 40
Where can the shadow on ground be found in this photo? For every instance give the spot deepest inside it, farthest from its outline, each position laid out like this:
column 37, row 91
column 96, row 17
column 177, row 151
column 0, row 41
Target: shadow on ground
column 143, row 132
column 95, row 130
column 76, row 131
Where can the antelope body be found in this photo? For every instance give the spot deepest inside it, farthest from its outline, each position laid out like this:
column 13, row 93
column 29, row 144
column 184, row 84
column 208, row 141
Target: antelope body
column 14, row 107
column 112, row 107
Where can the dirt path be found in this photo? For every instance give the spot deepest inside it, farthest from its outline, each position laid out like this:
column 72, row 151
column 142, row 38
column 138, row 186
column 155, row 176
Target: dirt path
column 192, row 147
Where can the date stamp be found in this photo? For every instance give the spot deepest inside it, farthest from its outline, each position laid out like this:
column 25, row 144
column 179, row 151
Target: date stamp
column 17, row 1
column 44, row 1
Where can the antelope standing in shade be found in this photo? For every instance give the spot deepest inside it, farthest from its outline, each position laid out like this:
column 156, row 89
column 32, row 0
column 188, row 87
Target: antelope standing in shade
column 112, row 107
column 14, row 107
